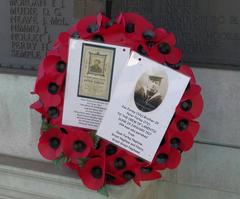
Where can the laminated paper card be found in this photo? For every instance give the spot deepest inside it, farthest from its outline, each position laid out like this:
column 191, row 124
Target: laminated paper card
column 142, row 106
column 92, row 72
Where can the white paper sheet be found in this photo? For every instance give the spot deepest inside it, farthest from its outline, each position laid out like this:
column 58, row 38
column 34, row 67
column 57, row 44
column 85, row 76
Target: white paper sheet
column 142, row 106
column 92, row 72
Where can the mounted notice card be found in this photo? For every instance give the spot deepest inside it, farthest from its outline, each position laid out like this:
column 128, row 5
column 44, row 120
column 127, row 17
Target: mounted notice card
column 92, row 71
column 142, row 106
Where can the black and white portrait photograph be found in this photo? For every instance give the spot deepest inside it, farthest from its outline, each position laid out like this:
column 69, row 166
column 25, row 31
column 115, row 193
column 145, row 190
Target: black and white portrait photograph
column 150, row 91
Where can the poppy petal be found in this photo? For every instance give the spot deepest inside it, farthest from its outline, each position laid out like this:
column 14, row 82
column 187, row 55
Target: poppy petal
column 190, row 107
column 156, row 55
column 170, row 39
column 174, row 159
column 174, row 56
column 93, row 173
column 83, row 24
column 78, row 143
column 186, row 70
column 147, row 173
column 38, row 106
column 51, row 143
column 161, row 33
column 63, row 38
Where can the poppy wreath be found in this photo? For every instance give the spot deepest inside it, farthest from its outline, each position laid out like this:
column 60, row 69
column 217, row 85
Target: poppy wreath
column 97, row 161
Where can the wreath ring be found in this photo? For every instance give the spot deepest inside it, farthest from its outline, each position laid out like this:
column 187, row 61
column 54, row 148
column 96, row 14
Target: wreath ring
column 97, row 161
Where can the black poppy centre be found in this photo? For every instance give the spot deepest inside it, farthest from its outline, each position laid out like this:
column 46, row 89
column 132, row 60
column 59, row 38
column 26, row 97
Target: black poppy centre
column 79, row 146
column 164, row 48
column 175, row 142
column 148, row 35
column 128, row 175
column 182, row 124
column 97, row 172
column 162, row 158
column 53, row 112
column 186, row 105
column 146, row 169
column 53, row 88
column 119, row 163
column 111, row 149
column 61, row 66
column 54, row 142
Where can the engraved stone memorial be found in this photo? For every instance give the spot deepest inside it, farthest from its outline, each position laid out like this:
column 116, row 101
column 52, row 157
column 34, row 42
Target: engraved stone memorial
column 208, row 32
column 29, row 28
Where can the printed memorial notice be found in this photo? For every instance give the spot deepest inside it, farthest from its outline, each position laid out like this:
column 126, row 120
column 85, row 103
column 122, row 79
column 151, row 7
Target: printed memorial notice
column 142, row 106
column 93, row 70
column 96, row 72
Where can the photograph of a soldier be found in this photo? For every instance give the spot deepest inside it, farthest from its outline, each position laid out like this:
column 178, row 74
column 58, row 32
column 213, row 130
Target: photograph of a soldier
column 147, row 95
column 96, row 66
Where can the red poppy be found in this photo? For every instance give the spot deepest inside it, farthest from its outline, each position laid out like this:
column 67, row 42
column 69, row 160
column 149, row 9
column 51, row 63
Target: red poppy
column 93, row 173
column 182, row 124
column 181, row 133
column 38, row 106
column 89, row 25
column 54, row 114
column 102, row 19
column 78, row 144
column 72, row 166
column 63, row 39
column 161, row 34
column 53, row 52
column 142, row 48
column 192, row 90
column 190, row 106
column 165, row 50
column 132, row 174
column 123, row 164
column 148, row 173
column 49, row 91
column 186, row 70
column 100, row 149
column 114, row 179
column 51, row 143
column 112, row 33
column 120, row 161
column 55, row 68
column 62, row 45
column 73, row 30
column 135, row 25
column 181, row 140
column 166, row 157
column 51, row 96
column 63, row 52
column 41, row 73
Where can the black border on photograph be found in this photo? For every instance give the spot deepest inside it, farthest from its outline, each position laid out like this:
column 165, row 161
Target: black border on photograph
column 112, row 69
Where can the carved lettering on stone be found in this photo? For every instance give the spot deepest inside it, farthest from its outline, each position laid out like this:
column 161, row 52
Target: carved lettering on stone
column 208, row 32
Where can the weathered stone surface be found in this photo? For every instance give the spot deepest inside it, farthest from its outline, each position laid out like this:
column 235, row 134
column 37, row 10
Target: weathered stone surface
column 211, row 167
column 220, row 118
column 29, row 28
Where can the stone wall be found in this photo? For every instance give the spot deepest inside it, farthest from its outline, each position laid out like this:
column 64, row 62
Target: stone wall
column 209, row 170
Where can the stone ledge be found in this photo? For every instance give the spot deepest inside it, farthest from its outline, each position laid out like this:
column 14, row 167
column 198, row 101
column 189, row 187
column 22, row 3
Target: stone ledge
column 34, row 179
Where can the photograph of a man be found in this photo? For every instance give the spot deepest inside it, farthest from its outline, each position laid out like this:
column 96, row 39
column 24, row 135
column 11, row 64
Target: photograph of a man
column 148, row 97
column 96, row 66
